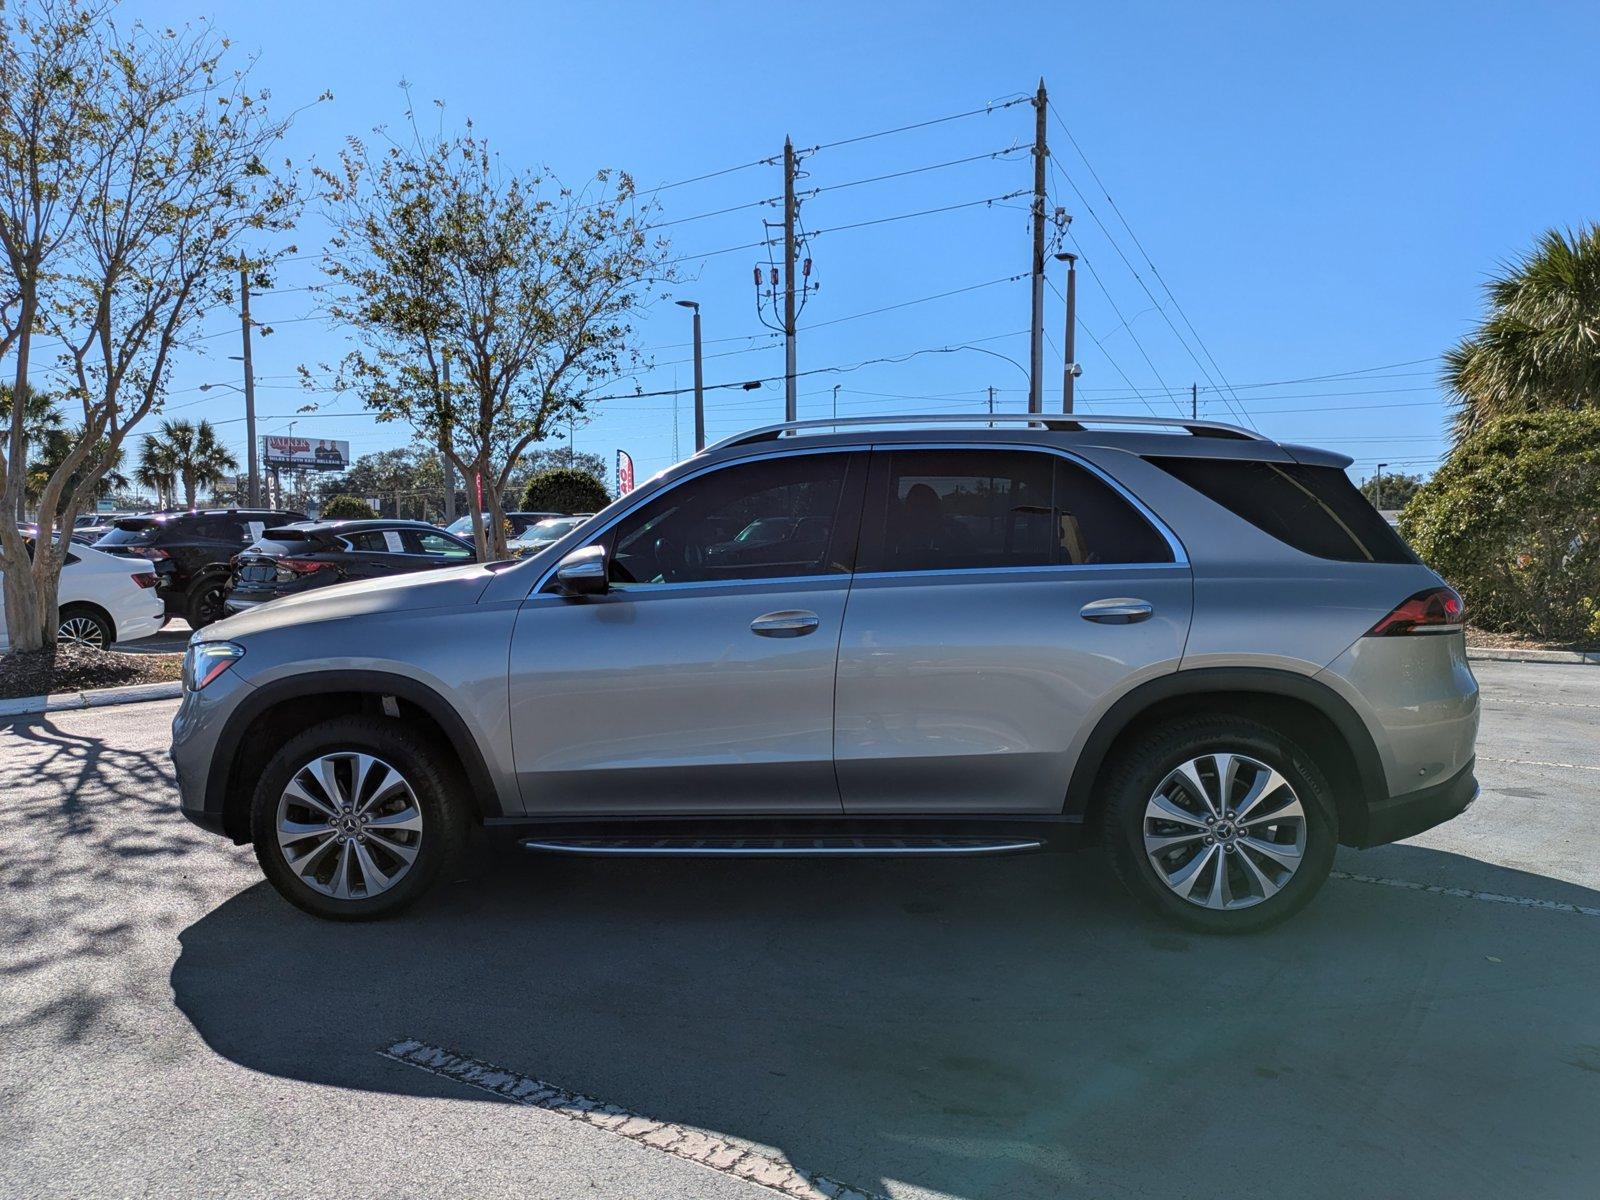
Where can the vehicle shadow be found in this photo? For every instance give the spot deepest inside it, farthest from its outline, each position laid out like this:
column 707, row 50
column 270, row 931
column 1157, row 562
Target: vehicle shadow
column 993, row 1028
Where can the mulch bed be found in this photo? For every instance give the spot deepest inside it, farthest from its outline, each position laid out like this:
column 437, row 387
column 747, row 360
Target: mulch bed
column 73, row 668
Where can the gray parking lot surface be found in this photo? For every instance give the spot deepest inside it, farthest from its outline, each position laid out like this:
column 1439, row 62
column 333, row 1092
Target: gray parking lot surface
column 1430, row 1026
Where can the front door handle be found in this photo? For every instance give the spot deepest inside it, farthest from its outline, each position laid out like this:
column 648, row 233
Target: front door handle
column 790, row 622
column 1118, row 610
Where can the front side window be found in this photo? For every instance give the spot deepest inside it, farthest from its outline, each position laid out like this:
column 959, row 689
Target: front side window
column 694, row 533
column 948, row 510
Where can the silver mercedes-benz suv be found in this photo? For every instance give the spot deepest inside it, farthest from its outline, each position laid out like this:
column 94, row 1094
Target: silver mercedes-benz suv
column 1191, row 645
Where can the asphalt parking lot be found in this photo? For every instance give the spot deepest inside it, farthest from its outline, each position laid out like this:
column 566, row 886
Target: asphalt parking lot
column 996, row 1028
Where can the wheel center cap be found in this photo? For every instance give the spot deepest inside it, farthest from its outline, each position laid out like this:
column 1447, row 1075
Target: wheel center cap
column 1226, row 831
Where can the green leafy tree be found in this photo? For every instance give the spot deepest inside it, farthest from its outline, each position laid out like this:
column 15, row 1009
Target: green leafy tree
column 158, row 470
column 1512, row 519
column 565, row 490
column 346, row 508
column 1391, row 491
column 1538, row 349
column 528, row 288
column 134, row 185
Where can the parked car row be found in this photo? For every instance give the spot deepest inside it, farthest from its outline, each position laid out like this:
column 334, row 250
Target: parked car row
column 124, row 579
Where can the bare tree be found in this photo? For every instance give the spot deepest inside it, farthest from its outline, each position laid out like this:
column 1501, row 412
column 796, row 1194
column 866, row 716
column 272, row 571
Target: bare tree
column 134, row 184
column 528, row 287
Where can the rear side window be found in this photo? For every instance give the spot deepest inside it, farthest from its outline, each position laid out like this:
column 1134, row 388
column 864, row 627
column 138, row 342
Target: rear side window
column 369, row 541
column 1317, row 510
column 946, row 510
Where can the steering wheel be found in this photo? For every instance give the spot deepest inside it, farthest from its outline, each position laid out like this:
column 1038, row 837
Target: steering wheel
column 677, row 560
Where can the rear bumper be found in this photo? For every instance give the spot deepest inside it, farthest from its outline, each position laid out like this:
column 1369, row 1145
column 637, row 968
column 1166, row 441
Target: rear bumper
column 1401, row 816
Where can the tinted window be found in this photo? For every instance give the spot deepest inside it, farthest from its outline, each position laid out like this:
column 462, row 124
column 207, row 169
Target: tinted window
column 1317, row 510
column 690, row 534
column 945, row 510
column 435, row 544
column 368, row 540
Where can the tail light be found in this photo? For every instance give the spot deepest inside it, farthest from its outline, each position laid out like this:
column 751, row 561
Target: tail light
column 145, row 579
column 1437, row 610
column 153, row 553
column 297, row 566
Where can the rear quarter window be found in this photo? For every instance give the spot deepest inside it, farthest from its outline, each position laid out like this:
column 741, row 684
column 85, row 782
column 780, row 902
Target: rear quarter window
column 1316, row 510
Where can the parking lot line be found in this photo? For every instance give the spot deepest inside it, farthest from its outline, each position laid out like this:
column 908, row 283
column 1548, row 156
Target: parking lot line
column 745, row 1162
column 1534, row 762
column 1583, row 910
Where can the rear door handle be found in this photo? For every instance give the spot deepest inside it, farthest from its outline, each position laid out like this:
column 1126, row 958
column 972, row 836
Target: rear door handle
column 790, row 622
column 1117, row 610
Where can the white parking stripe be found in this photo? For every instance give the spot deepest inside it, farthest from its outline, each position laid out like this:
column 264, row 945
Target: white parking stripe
column 1582, row 910
column 766, row 1169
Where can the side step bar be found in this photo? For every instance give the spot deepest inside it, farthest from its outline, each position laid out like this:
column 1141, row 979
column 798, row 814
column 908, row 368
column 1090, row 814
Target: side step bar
column 800, row 846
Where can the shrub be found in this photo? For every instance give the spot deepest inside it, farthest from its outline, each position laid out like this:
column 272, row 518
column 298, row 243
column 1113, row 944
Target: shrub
column 565, row 490
column 346, row 508
column 1512, row 520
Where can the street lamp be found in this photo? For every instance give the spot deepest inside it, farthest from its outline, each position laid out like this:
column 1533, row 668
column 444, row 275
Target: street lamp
column 1070, row 369
column 1377, row 487
column 249, row 394
column 699, row 381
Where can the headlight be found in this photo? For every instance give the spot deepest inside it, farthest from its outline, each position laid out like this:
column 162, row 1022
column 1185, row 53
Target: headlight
column 204, row 661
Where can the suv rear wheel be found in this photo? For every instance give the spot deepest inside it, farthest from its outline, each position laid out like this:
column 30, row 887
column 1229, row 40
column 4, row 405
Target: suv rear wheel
column 1220, row 824
column 355, row 818
column 205, row 602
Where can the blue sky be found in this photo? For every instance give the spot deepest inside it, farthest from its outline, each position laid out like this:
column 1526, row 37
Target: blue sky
column 1323, row 188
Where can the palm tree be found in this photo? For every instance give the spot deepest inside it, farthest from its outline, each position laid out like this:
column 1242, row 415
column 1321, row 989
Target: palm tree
column 43, row 428
column 1538, row 349
column 158, row 468
column 184, row 452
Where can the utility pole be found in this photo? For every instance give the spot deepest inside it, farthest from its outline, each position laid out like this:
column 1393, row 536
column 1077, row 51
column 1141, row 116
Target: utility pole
column 449, row 468
column 789, row 212
column 1377, row 487
column 991, row 406
column 249, row 390
column 1194, row 401
column 836, row 401
column 1069, row 367
column 1036, row 344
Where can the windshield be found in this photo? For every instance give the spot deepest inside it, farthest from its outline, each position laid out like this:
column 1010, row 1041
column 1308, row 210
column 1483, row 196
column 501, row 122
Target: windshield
column 130, row 533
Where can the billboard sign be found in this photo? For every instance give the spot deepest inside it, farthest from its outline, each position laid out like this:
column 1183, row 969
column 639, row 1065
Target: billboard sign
column 305, row 454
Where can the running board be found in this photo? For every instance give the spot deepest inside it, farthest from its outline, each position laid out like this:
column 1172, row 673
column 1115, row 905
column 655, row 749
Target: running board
column 755, row 847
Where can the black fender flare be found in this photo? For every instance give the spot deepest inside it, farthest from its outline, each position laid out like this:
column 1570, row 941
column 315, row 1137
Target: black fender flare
column 1260, row 680
column 374, row 683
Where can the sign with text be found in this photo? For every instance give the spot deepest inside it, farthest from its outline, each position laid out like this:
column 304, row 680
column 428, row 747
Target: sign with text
column 305, row 454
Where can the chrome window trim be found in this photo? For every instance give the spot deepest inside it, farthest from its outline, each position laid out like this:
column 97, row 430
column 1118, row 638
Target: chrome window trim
column 791, row 452
column 1180, row 557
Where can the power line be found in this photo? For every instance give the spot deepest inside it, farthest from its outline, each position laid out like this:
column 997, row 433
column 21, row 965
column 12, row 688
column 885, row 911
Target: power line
column 1095, row 275
column 866, row 137
column 923, row 213
column 954, row 162
column 1095, row 175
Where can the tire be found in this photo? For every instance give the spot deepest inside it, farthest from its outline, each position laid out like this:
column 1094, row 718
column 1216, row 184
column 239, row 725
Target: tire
column 204, row 605
column 414, row 831
column 1258, row 887
column 81, row 625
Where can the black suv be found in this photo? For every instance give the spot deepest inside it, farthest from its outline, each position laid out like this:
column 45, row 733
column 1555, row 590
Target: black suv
column 300, row 557
column 192, row 552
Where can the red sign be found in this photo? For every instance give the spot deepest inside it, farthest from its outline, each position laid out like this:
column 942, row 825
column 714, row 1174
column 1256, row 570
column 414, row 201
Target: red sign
column 624, row 473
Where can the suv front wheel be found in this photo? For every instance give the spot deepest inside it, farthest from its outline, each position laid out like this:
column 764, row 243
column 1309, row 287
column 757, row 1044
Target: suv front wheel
column 355, row 818
column 1220, row 824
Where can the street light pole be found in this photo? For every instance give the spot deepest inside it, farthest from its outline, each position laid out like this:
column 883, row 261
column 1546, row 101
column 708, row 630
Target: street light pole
column 1377, row 487
column 249, row 390
column 699, row 381
column 1070, row 369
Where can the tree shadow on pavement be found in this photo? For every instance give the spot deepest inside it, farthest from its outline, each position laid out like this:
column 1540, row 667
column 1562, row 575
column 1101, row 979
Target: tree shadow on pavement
column 1003, row 1027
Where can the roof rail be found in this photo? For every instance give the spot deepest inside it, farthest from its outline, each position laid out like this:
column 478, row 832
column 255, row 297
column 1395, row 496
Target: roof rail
column 1071, row 422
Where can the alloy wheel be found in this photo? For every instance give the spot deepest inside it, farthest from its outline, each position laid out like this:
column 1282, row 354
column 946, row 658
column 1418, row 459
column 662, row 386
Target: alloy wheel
column 81, row 631
column 349, row 825
column 1224, row 831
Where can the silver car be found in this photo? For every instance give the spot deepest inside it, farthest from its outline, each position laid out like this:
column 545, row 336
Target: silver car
column 1192, row 646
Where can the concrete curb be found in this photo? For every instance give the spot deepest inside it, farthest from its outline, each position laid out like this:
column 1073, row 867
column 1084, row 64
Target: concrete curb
column 1490, row 654
column 94, row 698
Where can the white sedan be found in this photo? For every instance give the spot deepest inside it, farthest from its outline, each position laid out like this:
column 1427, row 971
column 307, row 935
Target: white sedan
column 104, row 599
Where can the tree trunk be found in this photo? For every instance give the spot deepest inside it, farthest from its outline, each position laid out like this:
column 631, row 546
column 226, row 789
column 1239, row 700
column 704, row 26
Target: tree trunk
column 497, row 526
column 21, row 599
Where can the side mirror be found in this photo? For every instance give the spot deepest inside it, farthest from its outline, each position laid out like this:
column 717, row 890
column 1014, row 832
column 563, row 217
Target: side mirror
column 583, row 572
